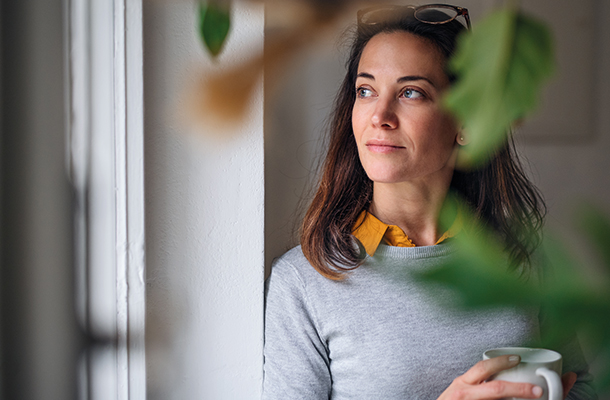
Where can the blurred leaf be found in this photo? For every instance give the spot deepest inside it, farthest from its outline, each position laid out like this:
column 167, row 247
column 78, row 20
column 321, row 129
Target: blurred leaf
column 558, row 263
column 479, row 275
column 479, row 271
column 602, row 381
column 597, row 227
column 214, row 24
column 500, row 66
column 223, row 96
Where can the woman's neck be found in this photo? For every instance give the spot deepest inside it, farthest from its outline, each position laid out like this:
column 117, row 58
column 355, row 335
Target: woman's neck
column 413, row 207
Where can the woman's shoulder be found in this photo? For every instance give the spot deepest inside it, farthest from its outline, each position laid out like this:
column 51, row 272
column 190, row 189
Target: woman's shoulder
column 293, row 256
column 294, row 266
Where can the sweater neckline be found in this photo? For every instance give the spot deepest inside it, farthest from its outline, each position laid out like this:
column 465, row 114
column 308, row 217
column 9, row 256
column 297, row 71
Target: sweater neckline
column 438, row 250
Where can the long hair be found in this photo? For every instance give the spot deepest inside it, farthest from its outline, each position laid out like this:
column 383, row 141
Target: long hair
column 498, row 192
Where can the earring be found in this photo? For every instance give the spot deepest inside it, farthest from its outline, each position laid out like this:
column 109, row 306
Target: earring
column 462, row 141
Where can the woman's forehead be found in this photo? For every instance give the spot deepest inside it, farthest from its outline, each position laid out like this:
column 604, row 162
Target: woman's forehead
column 402, row 54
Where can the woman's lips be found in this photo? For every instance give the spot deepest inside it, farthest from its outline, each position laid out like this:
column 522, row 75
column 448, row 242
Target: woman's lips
column 380, row 147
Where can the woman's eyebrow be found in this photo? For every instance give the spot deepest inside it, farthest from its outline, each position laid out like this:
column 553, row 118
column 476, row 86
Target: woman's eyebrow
column 365, row 75
column 410, row 78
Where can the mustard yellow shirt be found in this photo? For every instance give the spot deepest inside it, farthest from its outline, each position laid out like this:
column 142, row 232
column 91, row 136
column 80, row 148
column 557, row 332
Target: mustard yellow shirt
column 370, row 231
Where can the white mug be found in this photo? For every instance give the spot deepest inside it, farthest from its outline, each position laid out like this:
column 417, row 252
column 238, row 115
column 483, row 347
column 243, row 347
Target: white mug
column 541, row 367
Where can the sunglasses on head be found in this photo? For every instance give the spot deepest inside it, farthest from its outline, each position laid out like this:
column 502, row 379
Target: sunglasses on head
column 429, row 14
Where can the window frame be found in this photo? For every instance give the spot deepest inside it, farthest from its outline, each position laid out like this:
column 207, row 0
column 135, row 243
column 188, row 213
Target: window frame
column 106, row 164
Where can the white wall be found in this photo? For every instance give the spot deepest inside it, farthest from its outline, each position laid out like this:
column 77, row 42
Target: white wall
column 204, row 217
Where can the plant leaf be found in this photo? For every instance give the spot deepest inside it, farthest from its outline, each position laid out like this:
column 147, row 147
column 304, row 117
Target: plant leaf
column 479, row 275
column 479, row 271
column 500, row 66
column 597, row 227
column 214, row 24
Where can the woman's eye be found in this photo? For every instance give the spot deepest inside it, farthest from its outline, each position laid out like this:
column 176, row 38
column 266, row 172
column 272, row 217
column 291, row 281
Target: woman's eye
column 412, row 94
column 364, row 92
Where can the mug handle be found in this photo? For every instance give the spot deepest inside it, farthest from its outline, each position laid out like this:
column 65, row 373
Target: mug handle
column 553, row 383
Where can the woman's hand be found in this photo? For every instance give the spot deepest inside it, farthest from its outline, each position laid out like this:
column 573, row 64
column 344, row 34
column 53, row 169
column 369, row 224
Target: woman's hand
column 472, row 385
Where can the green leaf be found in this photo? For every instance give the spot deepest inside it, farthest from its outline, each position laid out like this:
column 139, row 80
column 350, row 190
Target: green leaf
column 500, row 66
column 214, row 24
column 597, row 227
column 479, row 271
column 479, row 275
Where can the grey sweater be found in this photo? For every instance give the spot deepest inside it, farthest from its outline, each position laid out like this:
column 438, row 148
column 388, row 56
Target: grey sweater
column 378, row 334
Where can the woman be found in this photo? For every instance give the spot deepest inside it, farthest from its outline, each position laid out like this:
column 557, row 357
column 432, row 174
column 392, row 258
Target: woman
column 344, row 319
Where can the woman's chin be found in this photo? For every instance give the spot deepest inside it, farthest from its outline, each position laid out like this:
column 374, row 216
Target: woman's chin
column 387, row 178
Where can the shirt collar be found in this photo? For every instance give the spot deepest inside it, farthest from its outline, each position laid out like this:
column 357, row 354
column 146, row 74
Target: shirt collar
column 370, row 231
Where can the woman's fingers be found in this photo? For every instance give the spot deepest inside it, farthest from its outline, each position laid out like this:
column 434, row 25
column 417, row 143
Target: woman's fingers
column 459, row 390
column 485, row 369
column 472, row 385
column 502, row 389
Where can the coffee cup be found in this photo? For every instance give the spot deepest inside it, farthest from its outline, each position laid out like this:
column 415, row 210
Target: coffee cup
column 541, row 367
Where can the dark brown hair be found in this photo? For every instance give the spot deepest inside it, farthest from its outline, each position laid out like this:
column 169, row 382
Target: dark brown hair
column 498, row 192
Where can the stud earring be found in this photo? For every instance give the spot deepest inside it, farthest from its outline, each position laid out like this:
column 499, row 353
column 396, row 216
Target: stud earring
column 462, row 141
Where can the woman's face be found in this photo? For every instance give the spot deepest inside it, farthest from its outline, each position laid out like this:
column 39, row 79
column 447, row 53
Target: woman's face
column 400, row 129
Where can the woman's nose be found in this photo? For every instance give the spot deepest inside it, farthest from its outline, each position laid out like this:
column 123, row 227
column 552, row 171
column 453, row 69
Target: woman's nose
column 384, row 115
